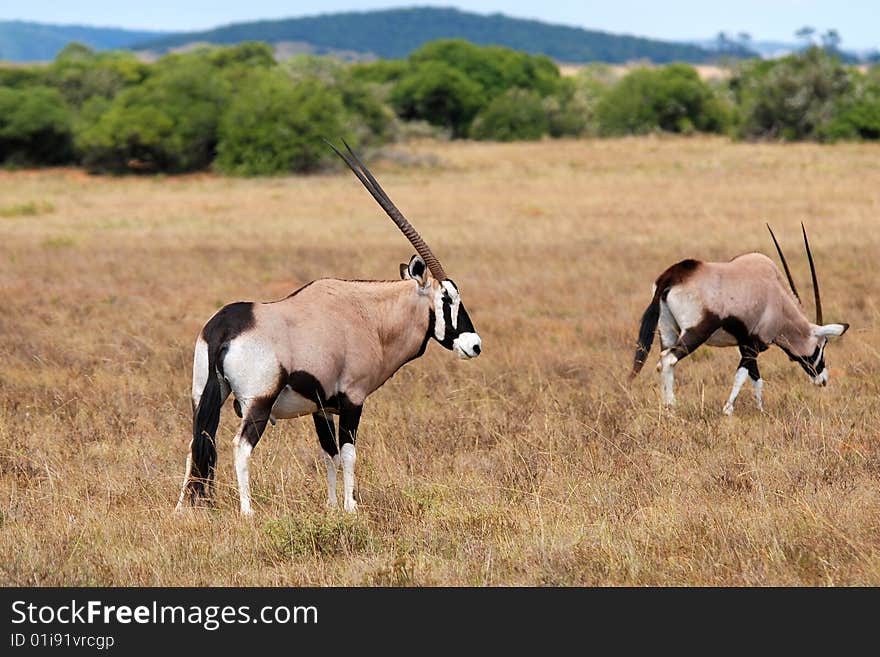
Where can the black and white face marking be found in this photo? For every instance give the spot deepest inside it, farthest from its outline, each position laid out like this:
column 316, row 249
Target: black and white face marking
column 452, row 324
column 814, row 365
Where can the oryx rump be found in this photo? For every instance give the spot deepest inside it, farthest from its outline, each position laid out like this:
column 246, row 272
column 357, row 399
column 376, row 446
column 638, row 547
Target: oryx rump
column 742, row 303
column 320, row 351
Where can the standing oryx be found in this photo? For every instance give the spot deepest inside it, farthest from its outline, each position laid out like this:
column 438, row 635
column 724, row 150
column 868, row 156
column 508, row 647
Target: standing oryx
column 320, row 351
column 743, row 303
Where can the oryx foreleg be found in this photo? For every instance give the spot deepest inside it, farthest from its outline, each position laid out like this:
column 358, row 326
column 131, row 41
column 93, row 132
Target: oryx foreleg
column 748, row 368
column 327, row 438
column 349, row 418
column 255, row 416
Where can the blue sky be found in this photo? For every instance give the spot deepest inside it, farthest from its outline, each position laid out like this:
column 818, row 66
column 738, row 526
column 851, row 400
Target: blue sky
column 856, row 20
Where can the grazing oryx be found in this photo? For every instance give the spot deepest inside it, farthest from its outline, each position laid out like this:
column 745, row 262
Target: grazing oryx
column 320, row 351
column 742, row 303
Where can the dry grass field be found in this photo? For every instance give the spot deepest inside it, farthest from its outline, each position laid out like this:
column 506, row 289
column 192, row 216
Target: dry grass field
column 536, row 464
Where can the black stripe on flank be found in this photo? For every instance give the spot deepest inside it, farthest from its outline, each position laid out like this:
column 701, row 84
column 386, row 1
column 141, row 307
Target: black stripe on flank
column 305, row 384
column 738, row 330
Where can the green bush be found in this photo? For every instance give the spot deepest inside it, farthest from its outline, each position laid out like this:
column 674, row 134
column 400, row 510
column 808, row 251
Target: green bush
column 793, row 98
column 857, row 115
column 248, row 54
column 439, row 94
column 79, row 73
column 571, row 111
column 495, row 68
column 517, row 114
column 35, row 127
column 450, row 81
column 369, row 116
column 238, row 110
column 168, row 123
column 380, row 71
column 276, row 126
column 20, row 77
column 671, row 98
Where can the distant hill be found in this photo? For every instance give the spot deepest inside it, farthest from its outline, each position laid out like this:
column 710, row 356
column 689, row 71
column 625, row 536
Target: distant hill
column 395, row 33
column 34, row 42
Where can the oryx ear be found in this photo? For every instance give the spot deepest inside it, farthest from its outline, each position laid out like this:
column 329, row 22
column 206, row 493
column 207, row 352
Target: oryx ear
column 416, row 270
column 831, row 330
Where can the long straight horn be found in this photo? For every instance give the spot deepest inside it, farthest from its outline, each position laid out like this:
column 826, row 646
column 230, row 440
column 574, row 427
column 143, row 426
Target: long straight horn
column 785, row 265
column 363, row 173
column 813, row 274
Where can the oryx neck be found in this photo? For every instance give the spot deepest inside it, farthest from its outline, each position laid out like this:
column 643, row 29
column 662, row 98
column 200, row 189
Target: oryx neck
column 403, row 319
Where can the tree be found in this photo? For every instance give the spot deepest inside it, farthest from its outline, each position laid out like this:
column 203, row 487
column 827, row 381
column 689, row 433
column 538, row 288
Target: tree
column 672, row 99
column 792, row 98
column 370, row 117
column 274, row 125
column 516, row 114
column 35, row 127
column 249, row 54
column 168, row 123
column 722, row 42
column 80, row 73
column 857, row 113
column 437, row 93
column 805, row 34
column 495, row 68
column 831, row 40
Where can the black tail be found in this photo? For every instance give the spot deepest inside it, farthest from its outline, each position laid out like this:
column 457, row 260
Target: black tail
column 646, row 333
column 206, row 419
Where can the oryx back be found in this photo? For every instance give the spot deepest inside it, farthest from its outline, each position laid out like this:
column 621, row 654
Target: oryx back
column 746, row 297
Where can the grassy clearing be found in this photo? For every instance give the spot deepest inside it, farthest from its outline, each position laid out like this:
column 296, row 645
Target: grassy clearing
column 26, row 209
column 535, row 464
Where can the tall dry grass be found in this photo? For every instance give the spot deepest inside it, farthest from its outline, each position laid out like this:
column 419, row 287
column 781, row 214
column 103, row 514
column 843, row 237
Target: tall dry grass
column 535, row 464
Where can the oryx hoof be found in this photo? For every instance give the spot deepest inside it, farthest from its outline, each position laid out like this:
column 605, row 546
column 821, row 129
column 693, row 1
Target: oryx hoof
column 728, row 409
column 351, row 506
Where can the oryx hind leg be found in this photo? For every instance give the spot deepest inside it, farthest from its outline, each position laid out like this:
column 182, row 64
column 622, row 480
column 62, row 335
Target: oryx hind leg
column 253, row 424
column 688, row 342
column 667, row 327
column 326, row 430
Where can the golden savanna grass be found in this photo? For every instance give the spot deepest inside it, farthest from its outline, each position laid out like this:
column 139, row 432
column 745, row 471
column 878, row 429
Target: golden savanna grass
column 537, row 463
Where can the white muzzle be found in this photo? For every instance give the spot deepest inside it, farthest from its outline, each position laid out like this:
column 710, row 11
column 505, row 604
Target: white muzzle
column 467, row 345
